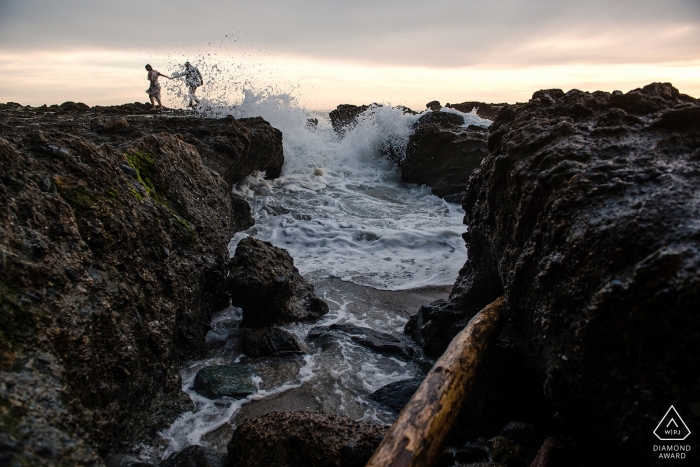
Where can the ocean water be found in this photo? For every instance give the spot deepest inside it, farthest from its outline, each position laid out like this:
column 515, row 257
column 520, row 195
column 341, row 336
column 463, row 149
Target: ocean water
column 366, row 241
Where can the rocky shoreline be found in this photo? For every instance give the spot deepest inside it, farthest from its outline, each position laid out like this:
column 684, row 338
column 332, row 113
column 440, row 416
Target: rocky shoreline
column 582, row 212
column 114, row 246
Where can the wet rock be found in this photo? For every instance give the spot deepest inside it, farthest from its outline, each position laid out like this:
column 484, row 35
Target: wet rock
column 581, row 216
column 483, row 110
column 235, row 381
column 380, row 342
column 263, row 342
column 303, row 439
column 506, row 452
column 443, row 119
column 243, row 217
column 130, row 171
column 472, row 452
column 119, row 318
column 125, row 460
column 396, row 395
column 265, row 284
column 433, row 105
column 443, row 155
column 344, row 117
column 555, row 453
column 195, row 456
column 523, row 433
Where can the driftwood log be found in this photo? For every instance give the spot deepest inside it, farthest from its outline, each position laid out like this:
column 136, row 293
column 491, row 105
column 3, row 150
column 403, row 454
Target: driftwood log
column 417, row 437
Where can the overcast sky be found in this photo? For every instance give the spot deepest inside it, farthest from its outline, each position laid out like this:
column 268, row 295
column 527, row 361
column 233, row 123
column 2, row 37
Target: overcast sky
column 329, row 47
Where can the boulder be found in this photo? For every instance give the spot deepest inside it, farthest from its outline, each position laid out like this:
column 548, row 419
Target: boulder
column 265, row 284
column 296, row 439
column 396, row 395
column 195, row 456
column 443, row 155
column 583, row 216
column 262, row 342
column 378, row 341
column 344, row 117
column 235, row 381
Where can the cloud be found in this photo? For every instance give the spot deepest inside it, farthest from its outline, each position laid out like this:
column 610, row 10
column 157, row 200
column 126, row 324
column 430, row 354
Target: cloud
column 441, row 33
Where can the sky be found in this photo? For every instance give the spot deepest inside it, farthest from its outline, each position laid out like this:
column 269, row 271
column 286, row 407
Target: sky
column 330, row 52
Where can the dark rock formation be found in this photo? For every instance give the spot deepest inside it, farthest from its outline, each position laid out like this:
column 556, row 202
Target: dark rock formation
column 434, row 106
column 396, row 395
column 442, row 154
column 483, row 110
column 263, row 342
column 235, row 381
column 195, row 456
column 301, row 439
column 344, row 117
column 378, row 341
column 265, row 284
column 584, row 216
column 112, row 244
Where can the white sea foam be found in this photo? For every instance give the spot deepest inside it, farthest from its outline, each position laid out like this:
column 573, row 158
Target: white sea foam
column 340, row 207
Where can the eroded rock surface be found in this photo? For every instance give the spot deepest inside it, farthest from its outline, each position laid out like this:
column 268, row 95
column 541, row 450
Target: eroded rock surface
column 483, row 110
column 585, row 217
column 302, row 439
column 442, row 154
column 113, row 240
column 265, row 284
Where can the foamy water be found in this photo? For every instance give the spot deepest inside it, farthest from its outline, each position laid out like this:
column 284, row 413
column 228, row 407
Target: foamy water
column 342, row 212
column 340, row 207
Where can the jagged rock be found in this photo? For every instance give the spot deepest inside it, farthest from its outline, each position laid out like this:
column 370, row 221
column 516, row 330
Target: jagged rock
column 433, row 105
column 265, row 284
column 235, row 381
column 195, row 456
column 262, row 342
column 344, row 117
column 583, row 216
column 443, row 155
column 396, row 395
column 378, row 341
column 442, row 119
column 83, row 272
column 303, row 439
column 483, row 110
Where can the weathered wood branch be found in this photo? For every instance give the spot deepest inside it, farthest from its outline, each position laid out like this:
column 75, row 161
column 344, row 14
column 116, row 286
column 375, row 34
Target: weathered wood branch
column 417, row 437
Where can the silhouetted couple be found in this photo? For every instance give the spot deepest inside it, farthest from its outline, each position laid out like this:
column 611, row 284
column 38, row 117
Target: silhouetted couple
column 193, row 80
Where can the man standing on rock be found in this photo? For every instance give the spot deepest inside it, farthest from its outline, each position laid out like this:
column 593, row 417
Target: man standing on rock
column 154, row 89
column 193, row 79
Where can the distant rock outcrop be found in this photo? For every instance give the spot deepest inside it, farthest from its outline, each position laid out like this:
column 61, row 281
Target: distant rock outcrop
column 442, row 154
column 483, row 110
column 344, row 117
column 585, row 217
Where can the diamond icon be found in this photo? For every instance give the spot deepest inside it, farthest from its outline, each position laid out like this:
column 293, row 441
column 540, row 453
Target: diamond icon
column 672, row 427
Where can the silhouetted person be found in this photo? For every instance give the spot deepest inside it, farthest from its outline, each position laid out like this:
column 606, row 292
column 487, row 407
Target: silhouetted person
column 154, row 89
column 193, row 80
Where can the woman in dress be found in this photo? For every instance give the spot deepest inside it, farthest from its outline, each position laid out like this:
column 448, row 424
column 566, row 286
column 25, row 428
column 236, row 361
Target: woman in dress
column 153, row 90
